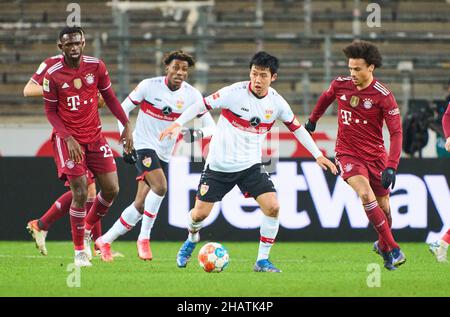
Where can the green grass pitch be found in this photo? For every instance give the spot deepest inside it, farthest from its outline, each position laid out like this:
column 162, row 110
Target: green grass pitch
column 309, row 269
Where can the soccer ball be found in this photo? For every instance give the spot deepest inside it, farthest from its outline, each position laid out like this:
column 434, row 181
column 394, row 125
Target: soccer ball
column 213, row 257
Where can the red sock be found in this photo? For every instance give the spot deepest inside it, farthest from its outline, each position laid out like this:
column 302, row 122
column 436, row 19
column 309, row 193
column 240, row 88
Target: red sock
column 59, row 208
column 77, row 224
column 379, row 221
column 97, row 230
column 99, row 209
column 446, row 236
column 381, row 243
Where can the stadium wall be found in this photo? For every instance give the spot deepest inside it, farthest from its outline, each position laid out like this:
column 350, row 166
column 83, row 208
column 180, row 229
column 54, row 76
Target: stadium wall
column 315, row 206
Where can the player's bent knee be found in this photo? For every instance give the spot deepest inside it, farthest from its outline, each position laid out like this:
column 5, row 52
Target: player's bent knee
column 273, row 210
column 111, row 192
column 366, row 197
column 160, row 190
column 79, row 194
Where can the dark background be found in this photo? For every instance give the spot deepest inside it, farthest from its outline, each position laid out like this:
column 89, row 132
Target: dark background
column 29, row 185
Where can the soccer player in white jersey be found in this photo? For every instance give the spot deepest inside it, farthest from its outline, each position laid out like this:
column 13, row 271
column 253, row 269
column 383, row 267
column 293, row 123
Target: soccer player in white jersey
column 249, row 109
column 162, row 100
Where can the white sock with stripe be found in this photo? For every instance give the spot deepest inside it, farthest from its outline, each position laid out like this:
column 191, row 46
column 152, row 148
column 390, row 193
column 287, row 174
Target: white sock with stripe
column 268, row 231
column 151, row 208
column 128, row 219
column 194, row 228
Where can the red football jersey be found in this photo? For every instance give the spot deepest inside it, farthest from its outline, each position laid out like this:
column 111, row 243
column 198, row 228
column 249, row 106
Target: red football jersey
column 75, row 92
column 360, row 119
column 38, row 76
column 446, row 122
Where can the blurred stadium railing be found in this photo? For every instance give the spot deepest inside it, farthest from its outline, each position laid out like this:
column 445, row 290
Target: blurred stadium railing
column 307, row 36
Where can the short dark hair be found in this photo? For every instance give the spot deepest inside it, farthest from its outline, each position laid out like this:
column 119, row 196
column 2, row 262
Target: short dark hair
column 180, row 55
column 265, row 60
column 71, row 29
column 366, row 50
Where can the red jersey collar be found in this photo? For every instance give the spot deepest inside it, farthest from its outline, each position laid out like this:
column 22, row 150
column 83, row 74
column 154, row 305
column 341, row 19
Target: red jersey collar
column 374, row 80
column 66, row 65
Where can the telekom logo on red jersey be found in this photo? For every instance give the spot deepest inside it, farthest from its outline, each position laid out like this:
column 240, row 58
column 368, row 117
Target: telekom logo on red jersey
column 346, row 116
column 73, row 102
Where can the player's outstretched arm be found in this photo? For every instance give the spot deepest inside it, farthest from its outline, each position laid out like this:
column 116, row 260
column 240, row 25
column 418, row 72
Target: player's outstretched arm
column 126, row 137
column 324, row 101
column 127, row 106
column 175, row 128
column 305, row 138
column 207, row 129
column 32, row 89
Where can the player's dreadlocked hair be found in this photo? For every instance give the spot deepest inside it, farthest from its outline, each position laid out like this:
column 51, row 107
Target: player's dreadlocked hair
column 71, row 29
column 365, row 50
column 179, row 55
column 265, row 60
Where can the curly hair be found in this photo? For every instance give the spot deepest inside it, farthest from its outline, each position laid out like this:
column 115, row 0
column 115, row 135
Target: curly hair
column 365, row 50
column 179, row 55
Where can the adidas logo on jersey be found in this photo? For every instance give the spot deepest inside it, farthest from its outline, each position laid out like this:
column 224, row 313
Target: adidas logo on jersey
column 65, row 85
column 343, row 98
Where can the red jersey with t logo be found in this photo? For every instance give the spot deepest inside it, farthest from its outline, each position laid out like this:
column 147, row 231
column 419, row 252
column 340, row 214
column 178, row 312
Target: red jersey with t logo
column 75, row 92
column 360, row 119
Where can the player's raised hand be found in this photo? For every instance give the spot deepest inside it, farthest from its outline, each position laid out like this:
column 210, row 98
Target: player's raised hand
column 388, row 178
column 172, row 131
column 75, row 150
column 310, row 126
column 326, row 164
column 126, row 138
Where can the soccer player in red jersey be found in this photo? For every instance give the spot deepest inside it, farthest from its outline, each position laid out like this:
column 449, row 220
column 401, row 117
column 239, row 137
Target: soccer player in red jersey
column 363, row 104
column 439, row 248
column 70, row 94
column 38, row 228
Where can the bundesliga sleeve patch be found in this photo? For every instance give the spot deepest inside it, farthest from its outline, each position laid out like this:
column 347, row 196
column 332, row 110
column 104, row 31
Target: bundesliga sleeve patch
column 46, row 85
column 41, row 68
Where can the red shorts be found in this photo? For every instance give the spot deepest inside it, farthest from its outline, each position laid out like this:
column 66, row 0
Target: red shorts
column 350, row 166
column 90, row 178
column 97, row 159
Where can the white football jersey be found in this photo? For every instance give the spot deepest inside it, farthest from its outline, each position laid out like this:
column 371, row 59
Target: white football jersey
column 159, row 107
column 243, row 124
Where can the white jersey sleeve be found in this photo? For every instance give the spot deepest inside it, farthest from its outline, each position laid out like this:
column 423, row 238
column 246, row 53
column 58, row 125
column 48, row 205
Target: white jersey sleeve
column 138, row 94
column 287, row 116
column 220, row 99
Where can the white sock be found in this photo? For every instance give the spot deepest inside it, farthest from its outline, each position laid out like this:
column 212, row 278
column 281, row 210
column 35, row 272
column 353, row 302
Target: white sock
column 78, row 252
column 194, row 228
column 151, row 208
column 128, row 219
column 268, row 231
column 443, row 244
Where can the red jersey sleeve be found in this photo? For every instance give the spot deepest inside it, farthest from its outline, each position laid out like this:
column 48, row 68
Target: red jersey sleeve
column 104, row 82
column 38, row 76
column 104, row 86
column 325, row 100
column 446, row 122
column 51, row 102
column 391, row 114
